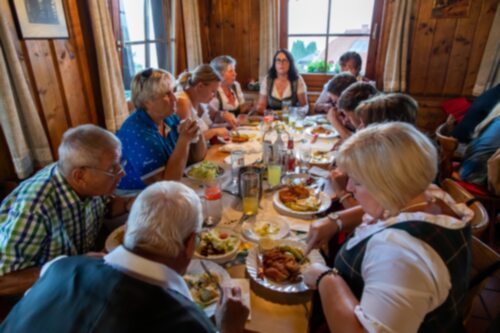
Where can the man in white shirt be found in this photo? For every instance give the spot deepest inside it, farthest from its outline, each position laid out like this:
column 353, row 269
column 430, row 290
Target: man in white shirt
column 136, row 287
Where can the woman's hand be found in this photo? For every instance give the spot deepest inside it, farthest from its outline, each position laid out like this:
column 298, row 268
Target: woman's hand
column 338, row 182
column 230, row 119
column 312, row 273
column 188, row 130
column 320, row 233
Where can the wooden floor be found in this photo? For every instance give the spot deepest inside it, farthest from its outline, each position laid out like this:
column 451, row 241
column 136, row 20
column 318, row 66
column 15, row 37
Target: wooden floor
column 486, row 308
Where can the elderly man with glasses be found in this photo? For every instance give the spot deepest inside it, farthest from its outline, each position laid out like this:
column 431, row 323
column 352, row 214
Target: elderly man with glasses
column 59, row 211
column 138, row 287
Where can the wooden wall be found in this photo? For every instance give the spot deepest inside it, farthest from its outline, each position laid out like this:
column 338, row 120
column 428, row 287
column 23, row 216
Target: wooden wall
column 62, row 77
column 445, row 55
column 232, row 27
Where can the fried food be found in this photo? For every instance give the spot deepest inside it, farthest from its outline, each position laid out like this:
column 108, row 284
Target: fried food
column 239, row 138
column 293, row 193
column 299, row 198
column 321, row 130
column 282, row 264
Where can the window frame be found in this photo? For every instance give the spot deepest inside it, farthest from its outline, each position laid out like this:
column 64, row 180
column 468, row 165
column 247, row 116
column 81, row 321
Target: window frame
column 315, row 81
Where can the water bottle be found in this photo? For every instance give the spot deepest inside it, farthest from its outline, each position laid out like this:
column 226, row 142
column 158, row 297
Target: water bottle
column 212, row 205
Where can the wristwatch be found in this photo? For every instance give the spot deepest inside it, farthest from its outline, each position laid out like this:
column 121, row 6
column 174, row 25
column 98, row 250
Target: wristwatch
column 335, row 218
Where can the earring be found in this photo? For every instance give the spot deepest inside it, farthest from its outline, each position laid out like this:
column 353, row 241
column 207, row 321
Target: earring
column 386, row 214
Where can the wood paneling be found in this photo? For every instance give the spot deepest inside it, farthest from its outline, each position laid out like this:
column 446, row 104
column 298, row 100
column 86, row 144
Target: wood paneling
column 232, row 28
column 60, row 78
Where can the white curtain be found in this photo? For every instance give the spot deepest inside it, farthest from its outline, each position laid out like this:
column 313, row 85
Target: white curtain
column 488, row 75
column 110, row 75
column 397, row 49
column 19, row 119
column 268, row 39
column 191, row 17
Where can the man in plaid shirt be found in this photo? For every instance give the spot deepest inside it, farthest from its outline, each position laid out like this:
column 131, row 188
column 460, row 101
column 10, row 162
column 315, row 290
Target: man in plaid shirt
column 59, row 211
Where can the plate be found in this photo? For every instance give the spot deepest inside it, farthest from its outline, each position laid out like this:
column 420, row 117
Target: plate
column 322, row 157
column 252, row 135
column 221, row 171
column 249, row 159
column 325, row 199
column 254, row 230
column 331, row 132
column 299, row 179
column 220, row 258
column 115, row 238
column 195, row 268
column 252, row 267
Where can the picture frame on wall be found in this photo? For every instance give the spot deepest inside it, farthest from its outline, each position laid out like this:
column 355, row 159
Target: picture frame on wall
column 41, row 19
column 450, row 8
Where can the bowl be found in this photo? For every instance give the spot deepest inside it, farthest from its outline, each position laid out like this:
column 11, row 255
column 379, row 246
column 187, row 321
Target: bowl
column 217, row 238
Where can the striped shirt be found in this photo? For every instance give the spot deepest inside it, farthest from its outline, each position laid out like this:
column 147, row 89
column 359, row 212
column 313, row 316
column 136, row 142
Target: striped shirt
column 144, row 149
column 44, row 218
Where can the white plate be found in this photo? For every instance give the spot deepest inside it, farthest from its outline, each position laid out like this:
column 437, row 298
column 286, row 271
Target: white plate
column 249, row 159
column 253, row 135
column 195, row 268
column 286, row 287
column 332, row 134
column 249, row 229
column 115, row 238
column 222, row 258
column 324, row 157
column 283, row 209
column 223, row 170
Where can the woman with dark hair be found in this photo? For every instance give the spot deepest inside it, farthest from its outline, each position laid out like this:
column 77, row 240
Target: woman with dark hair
column 282, row 84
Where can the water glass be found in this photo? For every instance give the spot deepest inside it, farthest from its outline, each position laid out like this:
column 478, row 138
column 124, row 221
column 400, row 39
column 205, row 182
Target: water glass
column 250, row 188
column 304, row 157
column 237, row 161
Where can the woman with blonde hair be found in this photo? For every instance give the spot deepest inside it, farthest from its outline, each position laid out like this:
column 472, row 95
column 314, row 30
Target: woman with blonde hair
column 406, row 265
column 195, row 90
column 156, row 146
column 485, row 142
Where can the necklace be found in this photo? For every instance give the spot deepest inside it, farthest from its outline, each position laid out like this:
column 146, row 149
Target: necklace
column 418, row 204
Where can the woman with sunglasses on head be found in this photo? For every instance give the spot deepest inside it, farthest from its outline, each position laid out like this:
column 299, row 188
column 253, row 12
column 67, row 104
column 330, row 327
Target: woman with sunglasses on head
column 156, row 145
column 282, row 84
column 195, row 90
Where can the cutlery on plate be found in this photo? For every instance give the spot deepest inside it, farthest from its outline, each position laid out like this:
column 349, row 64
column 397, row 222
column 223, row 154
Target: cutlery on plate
column 213, row 278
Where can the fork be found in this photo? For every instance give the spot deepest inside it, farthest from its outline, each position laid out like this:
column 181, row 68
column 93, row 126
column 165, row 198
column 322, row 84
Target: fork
column 213, row 278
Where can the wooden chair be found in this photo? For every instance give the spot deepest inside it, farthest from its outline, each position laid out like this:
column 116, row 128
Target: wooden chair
column 485, row 263
column 480, row 221
column 447, row 146
column 6, row 187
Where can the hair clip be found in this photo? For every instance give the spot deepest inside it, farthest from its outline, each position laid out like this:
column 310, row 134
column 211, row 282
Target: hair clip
column 147, row 73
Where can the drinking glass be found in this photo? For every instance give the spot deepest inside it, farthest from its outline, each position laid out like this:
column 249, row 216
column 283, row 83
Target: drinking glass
column 274, row 174
column 304, row 157
column 237, row 161
column 250, row 189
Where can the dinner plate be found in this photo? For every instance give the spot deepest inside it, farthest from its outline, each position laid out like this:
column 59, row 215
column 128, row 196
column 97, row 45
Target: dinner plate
column 222, row 170
column 255, row 231
column 195, row 268
column 252, row 135
column 283, row 209
column 254, row 261
column 221, row 258
column 115, row 238
column 332, row 132
column 299, row 179
column 249, row 159
column 322, row 157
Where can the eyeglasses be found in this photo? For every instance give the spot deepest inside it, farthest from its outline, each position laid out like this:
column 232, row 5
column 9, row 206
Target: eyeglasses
column 115, row 173
column 283, row 61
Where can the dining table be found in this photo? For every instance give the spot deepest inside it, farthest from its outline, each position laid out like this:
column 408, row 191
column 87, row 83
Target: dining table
column 270, row 311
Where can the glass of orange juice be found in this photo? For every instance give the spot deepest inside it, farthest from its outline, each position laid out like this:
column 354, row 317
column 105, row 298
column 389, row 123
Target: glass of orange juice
column 250, row 189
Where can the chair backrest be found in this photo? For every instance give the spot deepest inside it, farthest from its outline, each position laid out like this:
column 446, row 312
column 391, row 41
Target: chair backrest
column 447, row 146
column 480, row 220
column 485, row 262
column 6, row 187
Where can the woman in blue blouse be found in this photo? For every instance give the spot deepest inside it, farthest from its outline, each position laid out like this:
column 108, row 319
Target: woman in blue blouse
column 156, row 145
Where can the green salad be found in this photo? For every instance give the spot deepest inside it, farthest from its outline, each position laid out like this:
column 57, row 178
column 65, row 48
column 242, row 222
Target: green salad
column 205, row 170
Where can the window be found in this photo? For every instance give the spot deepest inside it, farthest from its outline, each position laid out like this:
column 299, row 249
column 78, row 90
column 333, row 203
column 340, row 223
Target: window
column 318, row 32
column 147, row 32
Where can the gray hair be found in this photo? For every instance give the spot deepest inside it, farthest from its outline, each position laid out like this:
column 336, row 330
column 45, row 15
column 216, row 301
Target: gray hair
column 85, row 145
column 162, row 217
column 149, row 84
column 221, row 63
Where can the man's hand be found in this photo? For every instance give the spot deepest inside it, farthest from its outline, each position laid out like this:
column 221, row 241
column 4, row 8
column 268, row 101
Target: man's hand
column 231, row 313
column 230, row 119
